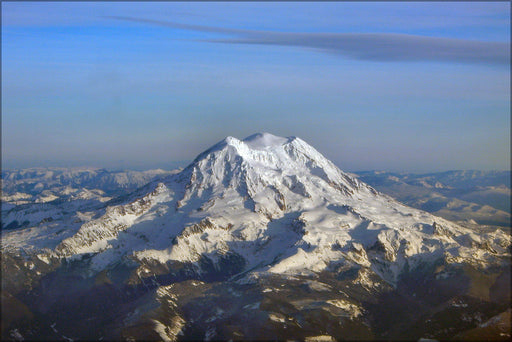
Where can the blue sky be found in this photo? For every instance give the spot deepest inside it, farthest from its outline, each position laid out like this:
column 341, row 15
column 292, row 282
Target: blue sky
column 393, row 86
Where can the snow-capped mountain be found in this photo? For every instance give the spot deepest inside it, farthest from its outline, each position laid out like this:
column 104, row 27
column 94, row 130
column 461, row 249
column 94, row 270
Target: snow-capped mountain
column 279, row 206
column 260, row 208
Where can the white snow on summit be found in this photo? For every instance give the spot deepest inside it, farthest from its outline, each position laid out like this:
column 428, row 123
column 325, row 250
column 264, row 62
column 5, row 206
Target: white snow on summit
column 265, row 140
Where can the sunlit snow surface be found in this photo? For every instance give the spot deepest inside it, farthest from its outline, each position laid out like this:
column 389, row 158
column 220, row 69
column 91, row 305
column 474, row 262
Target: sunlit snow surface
column 276, row 202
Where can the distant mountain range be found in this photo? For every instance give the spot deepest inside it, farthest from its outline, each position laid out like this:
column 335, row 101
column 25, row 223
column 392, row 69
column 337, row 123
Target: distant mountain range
column 478, row 199
column 260, row 238
column 46, row 184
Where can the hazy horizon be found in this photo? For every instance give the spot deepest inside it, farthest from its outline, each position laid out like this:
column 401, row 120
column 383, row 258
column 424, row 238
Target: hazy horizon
column 408, row 87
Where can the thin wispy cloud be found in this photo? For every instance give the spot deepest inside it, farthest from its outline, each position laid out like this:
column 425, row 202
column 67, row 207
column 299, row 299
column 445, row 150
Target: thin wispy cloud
column 361, row 46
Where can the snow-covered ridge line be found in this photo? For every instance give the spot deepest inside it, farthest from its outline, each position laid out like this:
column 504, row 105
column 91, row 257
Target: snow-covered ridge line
column 92, row 237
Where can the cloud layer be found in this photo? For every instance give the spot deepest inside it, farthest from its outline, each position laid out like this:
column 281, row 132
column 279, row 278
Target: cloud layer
column 362, row 46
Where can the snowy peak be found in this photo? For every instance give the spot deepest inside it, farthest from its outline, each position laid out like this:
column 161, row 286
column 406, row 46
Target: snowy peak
column 258, row 141
column 264, row 155
column 262, row 140
column 266, row 140
column 266, row 171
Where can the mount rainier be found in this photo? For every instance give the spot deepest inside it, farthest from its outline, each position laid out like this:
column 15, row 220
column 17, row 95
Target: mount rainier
column 263, row 230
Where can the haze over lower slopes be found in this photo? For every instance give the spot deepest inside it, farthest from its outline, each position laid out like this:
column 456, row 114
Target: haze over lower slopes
column 394, row 86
